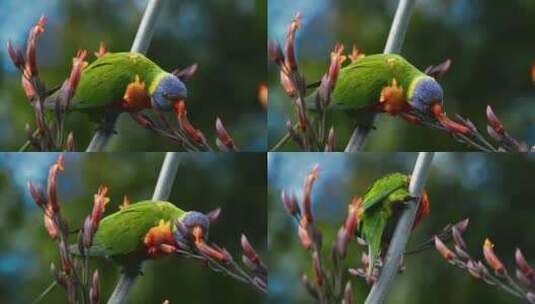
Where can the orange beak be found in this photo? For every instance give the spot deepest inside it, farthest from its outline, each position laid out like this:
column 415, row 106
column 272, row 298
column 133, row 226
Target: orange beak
column 436, row 111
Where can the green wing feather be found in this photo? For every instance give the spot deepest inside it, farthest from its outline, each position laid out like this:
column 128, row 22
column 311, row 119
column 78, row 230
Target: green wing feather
column 372, row 232
column 392, row 186
column 360, row 83
column 105, row 80
column 122, row 233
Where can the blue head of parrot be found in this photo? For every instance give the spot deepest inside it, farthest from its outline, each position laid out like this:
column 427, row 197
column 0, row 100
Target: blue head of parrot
column 426, row 92
column 191, row 220
column 169, row 91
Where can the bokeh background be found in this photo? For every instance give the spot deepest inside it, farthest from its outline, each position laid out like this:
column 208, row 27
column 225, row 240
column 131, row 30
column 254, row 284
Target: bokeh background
column 226, row 38
column 492, row 190
column 204, row 182
column 487, row 42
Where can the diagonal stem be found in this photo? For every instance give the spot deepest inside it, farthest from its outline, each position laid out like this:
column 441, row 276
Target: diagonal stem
column 161, row 192
column 140, row 45
column 393, row 45
column 403, row 230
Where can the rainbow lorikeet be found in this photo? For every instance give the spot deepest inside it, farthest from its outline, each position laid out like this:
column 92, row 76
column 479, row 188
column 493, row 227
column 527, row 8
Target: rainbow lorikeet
column 123, row 82
column 378, row 211
column 386, row 83
column 141, row 231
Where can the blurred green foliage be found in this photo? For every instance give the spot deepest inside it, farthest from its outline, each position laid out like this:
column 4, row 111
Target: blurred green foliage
column 204, row 182
column 226, row 38
column 492, row 190
column 487, row 41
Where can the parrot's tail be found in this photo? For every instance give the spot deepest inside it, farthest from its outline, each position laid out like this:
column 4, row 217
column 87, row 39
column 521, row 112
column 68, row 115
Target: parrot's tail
column 371, row 262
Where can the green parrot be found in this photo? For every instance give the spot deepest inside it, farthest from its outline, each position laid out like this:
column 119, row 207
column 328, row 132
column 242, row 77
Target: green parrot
column 385, row 83
column 123, row 82
column 135, row 232
column 378, row 211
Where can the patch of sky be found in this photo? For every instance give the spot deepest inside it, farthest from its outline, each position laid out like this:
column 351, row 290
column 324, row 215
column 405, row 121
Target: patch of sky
column 23, row 167
column 287, row 171
column 17, row 17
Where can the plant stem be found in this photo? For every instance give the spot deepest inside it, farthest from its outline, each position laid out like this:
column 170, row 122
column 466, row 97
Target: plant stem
column 140, row 45
column 161, row 192
column 393, row 46
column 45, row 292
column 402, row 232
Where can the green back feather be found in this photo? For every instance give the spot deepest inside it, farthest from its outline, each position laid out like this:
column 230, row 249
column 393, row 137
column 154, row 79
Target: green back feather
column 122, row 232
column 360, row 83
column 105, row 80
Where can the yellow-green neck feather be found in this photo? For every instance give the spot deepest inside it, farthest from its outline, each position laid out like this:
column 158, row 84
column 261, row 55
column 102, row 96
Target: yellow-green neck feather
column 156, row 81
column 412, row 85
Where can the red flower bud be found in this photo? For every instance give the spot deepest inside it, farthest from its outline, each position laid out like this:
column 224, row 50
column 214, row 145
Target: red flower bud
column 100, row 200
column 31, row 65
column 78, row 65
column 307, row 189
column 186, row 73
column 524, row 267
column 474, row 269
column 316, row 266
column 494, row 122
column 462, row 225
column 88, row 232
column 290, row 204
column 28, row 88
column 224, row 140
column 444, row 250
column 192, row 133
column 328, row 80
column 331, row 142
column 275, row 53
column 94, row 292
column 305, row 239
column 36, row 195
column 342, row 240
column 70, row 143
column 490, row 256
column 50, row 226
column 15, row 55
column 290, row 60
column 51, row 185
column 352, row 218
column 356, row 54
column 439, row 70
column 101, row 50
column 249, row 251
column 287, row 84
column 301, row 114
